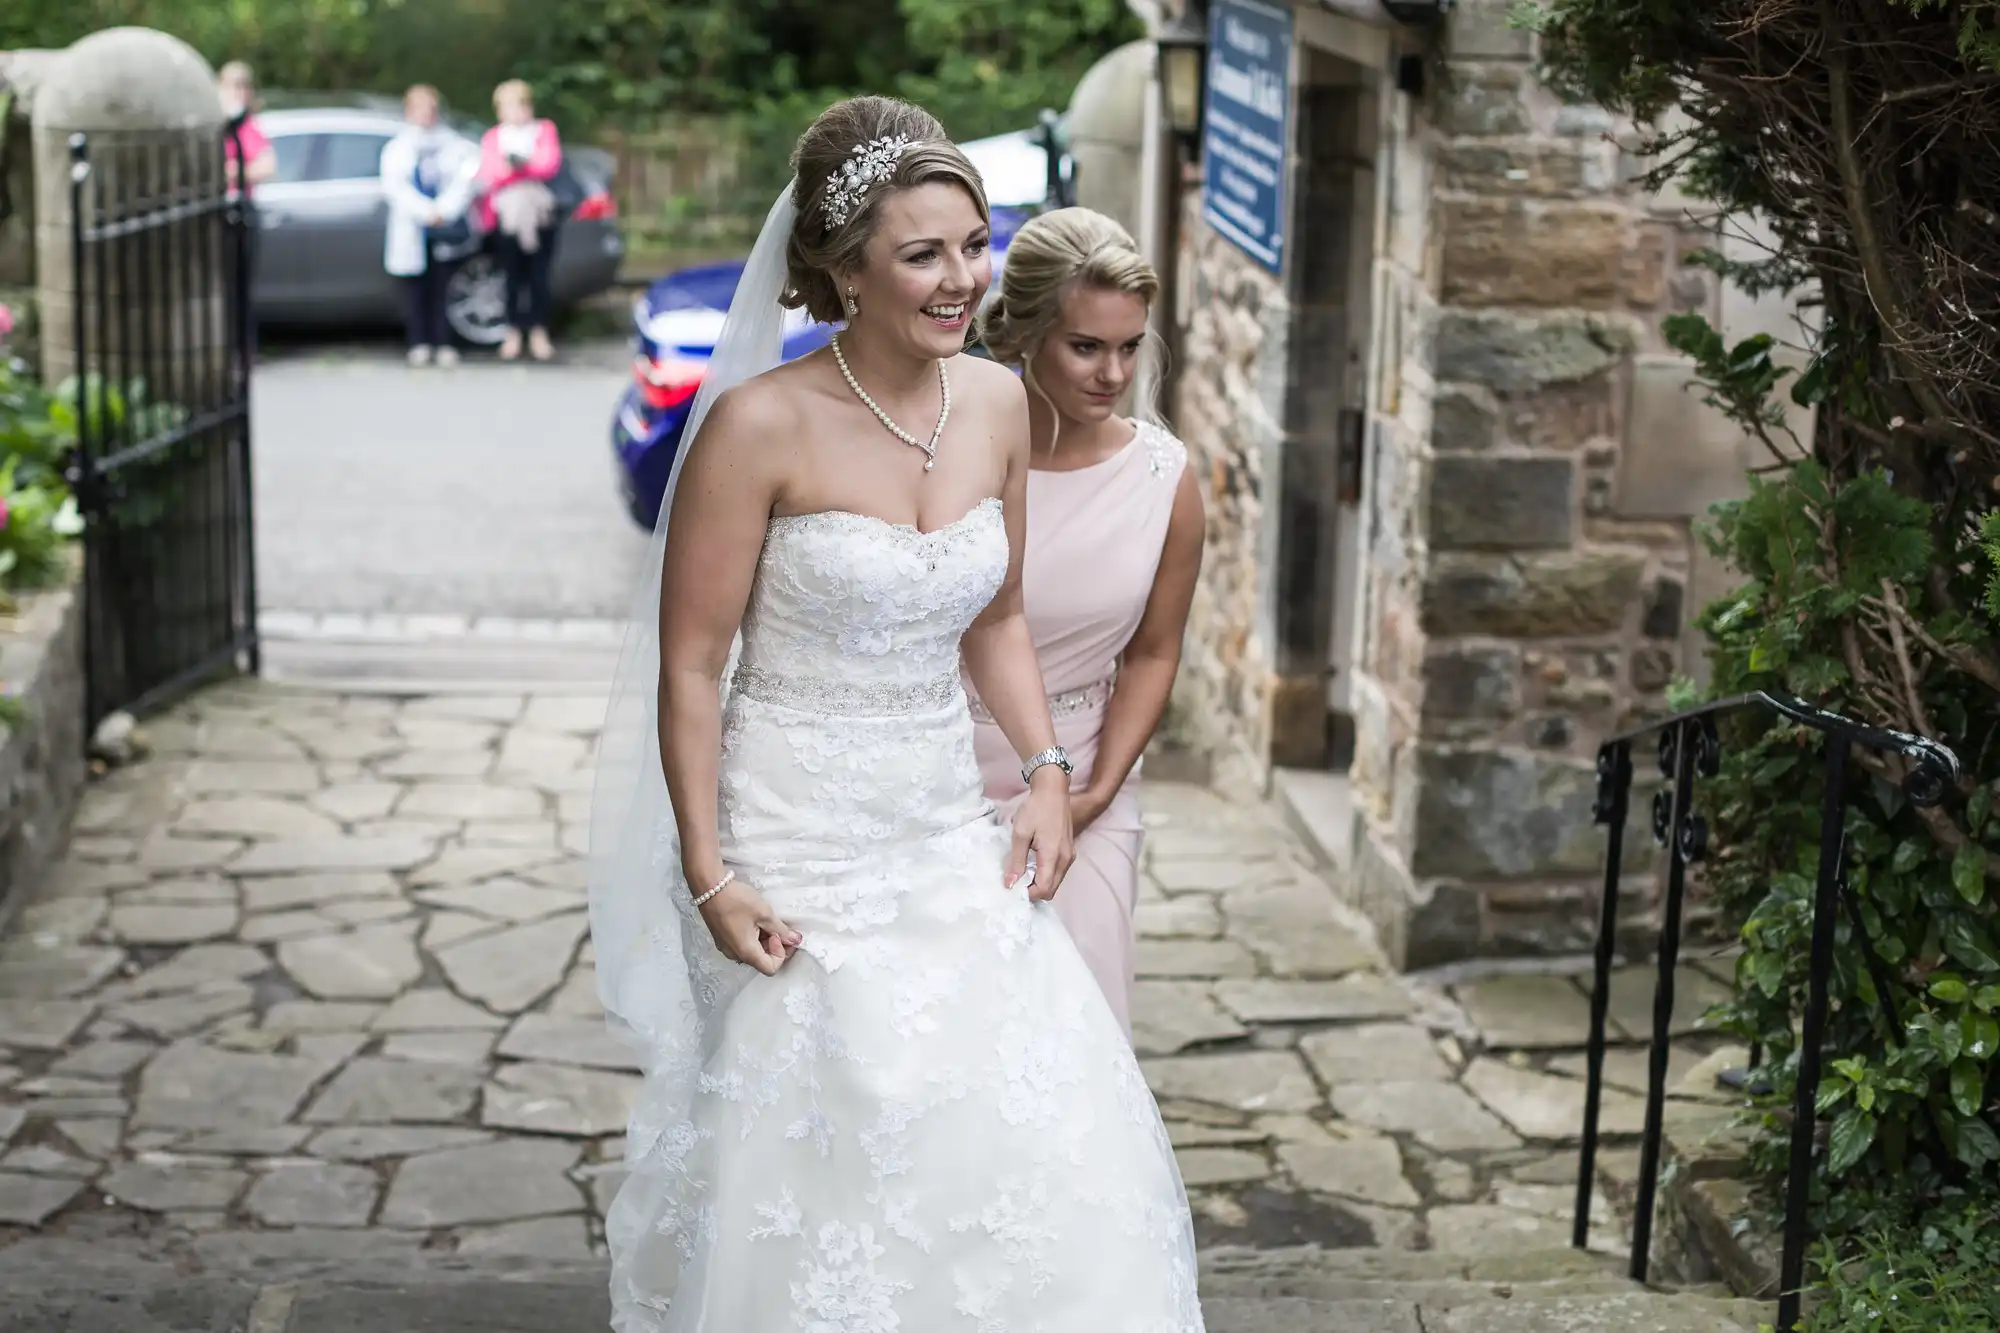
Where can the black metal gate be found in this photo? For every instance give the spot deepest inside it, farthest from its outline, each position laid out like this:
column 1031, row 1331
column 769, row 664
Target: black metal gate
column 162, row 326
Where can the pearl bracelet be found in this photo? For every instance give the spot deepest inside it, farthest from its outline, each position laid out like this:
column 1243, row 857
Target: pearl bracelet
column 720, row 885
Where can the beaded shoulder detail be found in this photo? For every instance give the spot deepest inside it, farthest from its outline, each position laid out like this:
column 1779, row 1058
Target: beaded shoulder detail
column 1166, row 456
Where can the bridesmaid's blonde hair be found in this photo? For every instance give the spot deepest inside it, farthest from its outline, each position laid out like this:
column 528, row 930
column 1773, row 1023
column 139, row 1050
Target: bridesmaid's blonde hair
column 1051, row 256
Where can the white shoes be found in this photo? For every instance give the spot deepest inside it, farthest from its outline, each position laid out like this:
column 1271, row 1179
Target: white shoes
column 446, row 357
column 420, row 356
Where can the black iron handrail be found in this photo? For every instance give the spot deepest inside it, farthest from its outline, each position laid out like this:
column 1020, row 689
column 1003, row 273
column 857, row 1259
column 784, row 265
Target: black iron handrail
column 1690, row 745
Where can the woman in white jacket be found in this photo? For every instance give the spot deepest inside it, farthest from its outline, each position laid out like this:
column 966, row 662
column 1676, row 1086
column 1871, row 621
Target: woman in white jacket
column 429, row 173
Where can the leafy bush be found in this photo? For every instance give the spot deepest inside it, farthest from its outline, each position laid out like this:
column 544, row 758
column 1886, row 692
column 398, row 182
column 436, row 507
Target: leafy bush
column 1941, row 1276
column 37, row 515
column 982, row 65
column 1866, row 548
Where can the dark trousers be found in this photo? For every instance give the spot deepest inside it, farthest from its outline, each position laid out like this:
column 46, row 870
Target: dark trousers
column 528, row 299
column 423, row 305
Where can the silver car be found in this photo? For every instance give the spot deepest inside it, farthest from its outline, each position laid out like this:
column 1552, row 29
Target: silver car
column 320, row 226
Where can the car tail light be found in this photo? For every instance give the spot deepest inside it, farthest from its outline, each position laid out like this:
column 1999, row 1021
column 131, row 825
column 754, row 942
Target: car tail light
column 598, row 207
column 667, row 383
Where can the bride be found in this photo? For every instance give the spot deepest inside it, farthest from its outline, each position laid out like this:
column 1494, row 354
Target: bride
column 883, row 1093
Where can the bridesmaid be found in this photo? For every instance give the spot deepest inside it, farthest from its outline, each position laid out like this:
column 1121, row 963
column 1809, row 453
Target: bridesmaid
column 1114, row 544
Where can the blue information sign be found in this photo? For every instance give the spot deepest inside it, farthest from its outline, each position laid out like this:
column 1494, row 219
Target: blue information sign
column 1243, row 137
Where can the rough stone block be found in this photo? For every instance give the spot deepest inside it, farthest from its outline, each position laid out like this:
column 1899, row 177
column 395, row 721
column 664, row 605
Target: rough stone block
column 1482, row 30
column 1464, row 419
column 1539, row 168
column 1498, row 814
column 1681, row 456
column 1489, row 99
column 1571, row 593
column 1471, row 684
column 1507, row 502
column 1531, row 252
column 1514, row 352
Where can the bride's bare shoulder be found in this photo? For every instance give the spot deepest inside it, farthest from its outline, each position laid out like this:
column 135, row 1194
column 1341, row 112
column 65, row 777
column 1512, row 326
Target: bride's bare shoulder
column 770, row 403
column 988, row 377
column 988, row 387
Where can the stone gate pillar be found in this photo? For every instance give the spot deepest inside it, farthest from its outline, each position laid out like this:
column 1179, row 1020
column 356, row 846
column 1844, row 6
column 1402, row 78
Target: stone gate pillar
column 147, row 102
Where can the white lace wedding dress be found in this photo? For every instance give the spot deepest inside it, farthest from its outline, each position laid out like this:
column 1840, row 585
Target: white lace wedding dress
column 928, row 1120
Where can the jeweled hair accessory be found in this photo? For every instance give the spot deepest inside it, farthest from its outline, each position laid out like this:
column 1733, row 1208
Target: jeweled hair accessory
column 871, row 164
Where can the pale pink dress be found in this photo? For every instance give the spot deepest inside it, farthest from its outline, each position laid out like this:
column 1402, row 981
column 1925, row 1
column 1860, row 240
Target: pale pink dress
column 1093, row 547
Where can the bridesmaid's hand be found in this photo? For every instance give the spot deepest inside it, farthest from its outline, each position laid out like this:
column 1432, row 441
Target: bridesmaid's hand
column 1085, row 806
column 1042, row 826
column 747, row 931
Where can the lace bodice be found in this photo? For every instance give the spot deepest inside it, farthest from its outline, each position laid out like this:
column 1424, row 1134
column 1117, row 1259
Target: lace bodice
column 852, row 614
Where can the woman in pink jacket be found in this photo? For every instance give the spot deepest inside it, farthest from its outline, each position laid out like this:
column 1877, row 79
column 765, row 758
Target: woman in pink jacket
column 517, row 159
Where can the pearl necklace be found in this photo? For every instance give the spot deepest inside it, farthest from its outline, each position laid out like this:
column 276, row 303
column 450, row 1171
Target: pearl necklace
column 944, row 387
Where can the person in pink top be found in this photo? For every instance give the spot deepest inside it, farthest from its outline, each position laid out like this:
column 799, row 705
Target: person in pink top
column 236, row 87
column 1113, row 547
column 517, row 159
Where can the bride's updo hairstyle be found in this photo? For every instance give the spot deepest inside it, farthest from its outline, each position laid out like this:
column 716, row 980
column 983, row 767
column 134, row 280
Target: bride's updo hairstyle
column 1052, row 255
column 829, row 241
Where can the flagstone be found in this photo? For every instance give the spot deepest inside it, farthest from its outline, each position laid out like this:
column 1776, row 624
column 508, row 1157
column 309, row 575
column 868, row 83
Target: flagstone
column 373, row 962
column 433, row 1009
column 494, row 1182
column 469, row 800
column 569, row 1041
column 1168, row 1016
column 254, row 817
column 378, row 1091
column 312, row 1193
column 349, row 801
column 501, row 899
column 192, row 1086
column 42, row 1025
column 286, row 891
column 30, row 1200
column 559, row 1099
column 173, row 923
column 333, row 854
column 367, row 1143
column 251, row 777
column 509, row 970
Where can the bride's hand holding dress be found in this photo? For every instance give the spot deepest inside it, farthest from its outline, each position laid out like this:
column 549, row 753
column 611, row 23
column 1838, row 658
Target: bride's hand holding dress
column 711, row 562
column 999, row 654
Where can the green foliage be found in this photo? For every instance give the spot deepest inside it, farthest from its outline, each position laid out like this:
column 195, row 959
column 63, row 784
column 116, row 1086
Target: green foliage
column 1869, row 554
column 1910, row 1094
column 982, row 65
column 37, row 516
column 1939, row 1276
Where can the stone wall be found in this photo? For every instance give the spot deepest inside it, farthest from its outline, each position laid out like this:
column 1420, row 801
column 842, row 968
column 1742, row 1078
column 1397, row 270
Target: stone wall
column 1553, row 598
column 42, row 758
column 1533, row 461
column 1228, row 408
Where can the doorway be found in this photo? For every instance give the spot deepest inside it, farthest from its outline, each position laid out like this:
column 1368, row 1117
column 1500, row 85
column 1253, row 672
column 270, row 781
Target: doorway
column 1320, row 483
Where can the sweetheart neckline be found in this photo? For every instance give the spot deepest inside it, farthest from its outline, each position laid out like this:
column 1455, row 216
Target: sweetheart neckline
column 988, row 502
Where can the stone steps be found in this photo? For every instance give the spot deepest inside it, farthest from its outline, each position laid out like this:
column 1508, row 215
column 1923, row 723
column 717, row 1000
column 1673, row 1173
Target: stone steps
column 1297, row 1291
column 1363, row 1291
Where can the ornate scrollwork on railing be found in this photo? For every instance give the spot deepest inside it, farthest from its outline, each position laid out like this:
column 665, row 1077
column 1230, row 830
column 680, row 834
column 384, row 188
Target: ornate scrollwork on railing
column 1929, row 773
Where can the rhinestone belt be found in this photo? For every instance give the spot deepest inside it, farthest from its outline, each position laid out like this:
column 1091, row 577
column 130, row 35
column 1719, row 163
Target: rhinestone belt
column 845, row 698
column 1067, row 704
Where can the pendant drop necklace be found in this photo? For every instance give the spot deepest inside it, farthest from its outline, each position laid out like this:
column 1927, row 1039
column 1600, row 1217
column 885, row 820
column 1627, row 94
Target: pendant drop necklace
column 944, row 387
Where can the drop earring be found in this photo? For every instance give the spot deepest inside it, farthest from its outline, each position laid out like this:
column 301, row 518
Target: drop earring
column 853, row 306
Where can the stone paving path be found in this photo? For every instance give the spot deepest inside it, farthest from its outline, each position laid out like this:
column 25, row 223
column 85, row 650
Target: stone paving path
column 319, row 965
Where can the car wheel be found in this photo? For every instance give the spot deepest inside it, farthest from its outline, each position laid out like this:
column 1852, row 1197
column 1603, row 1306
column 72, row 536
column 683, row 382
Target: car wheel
column 475, row 302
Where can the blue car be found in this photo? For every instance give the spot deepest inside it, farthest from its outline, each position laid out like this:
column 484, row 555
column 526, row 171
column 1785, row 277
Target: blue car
column 678, row 320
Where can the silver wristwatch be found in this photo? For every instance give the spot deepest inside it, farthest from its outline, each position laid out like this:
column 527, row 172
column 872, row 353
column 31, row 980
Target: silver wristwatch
column 1055, row 754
